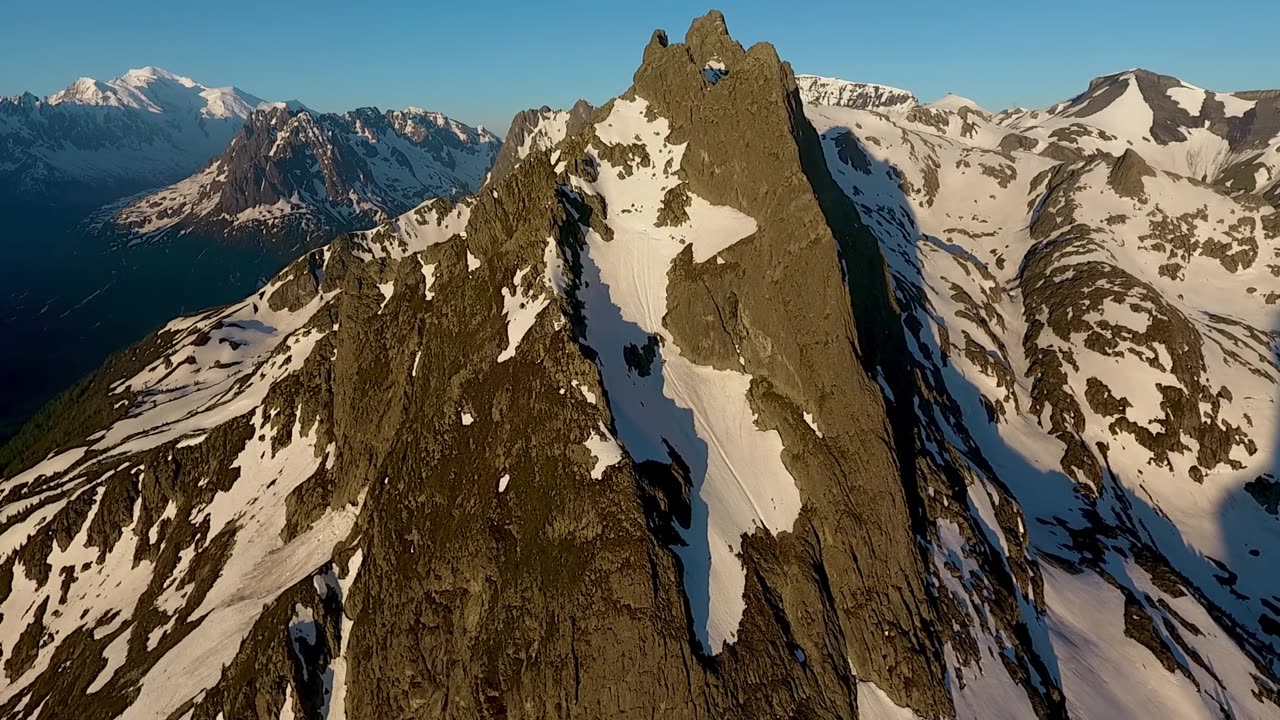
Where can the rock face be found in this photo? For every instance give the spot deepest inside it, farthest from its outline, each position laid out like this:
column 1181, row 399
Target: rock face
column 296, row 178
column 696, row 411
column 95, row 141
column 534, row 130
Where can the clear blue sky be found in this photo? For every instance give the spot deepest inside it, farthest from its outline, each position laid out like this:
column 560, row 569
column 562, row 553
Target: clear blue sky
column 482, row 62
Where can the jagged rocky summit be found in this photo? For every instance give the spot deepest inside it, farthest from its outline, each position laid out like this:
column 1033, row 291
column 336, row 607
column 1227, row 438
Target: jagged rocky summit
column 716, row 405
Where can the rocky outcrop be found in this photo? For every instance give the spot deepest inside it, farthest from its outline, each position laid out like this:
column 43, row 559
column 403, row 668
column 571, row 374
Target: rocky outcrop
column 1127, row 174
column 534, row 130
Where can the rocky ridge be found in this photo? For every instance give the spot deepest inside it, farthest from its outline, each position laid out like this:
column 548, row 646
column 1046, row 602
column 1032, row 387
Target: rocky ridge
column 541, row 129
column 862, row 96
column 298, row 178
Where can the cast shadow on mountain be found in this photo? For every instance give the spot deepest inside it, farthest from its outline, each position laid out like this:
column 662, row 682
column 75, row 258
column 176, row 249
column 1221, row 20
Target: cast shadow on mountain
column 75, row 302
column 633, row 378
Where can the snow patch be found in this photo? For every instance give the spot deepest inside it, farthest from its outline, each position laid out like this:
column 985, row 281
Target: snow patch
column 605, row 450
column 808, row 418
column 875, row 704
column 521, row 310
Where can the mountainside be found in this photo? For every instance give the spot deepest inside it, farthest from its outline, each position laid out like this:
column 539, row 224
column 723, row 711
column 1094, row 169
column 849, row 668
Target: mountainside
column 1100, row 338
column 716, row 405
column 1231, row 140
column 97, row 140
column 296, row 178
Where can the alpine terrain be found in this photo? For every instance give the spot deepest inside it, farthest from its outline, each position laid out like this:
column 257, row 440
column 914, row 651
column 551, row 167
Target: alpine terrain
column 740, row 396
column 297, row 178
column 98, row 140
column 257, row 184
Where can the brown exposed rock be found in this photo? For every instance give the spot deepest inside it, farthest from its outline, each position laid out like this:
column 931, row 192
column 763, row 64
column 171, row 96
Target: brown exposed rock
column 23, row 654
column 1127, row 174
column 1015, row 141
column 675, row 207
column 1002, row 174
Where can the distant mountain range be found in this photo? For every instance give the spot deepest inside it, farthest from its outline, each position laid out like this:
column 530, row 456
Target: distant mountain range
column 97, row 140
column 292, row 179
column 132, row 200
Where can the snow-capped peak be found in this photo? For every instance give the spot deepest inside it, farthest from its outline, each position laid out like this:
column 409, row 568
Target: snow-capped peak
column 150, row 73
column 147, row 128
column 85, row 91
column 152, row 89
column 954, row 102
column 293, row 106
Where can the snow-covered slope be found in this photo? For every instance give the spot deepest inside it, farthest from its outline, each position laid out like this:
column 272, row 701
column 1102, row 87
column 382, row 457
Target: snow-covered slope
column 818, row 90
column 1228, row 139
column 102, row 139
column 295, row 177
column 1099, row 339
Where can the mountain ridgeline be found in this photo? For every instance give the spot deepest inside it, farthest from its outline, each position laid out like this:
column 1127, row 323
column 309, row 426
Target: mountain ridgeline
column 95, row 141
column 294, row 179
column 735, row 397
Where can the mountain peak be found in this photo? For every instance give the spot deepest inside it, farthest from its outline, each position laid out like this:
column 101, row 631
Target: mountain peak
column 538, row 129
column 155, row 90
column 151, row 73
column 1145, row 77
column 954, row 102
column 293, row 177
column 287, row 105
column 672, row 76
column 85, row 91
